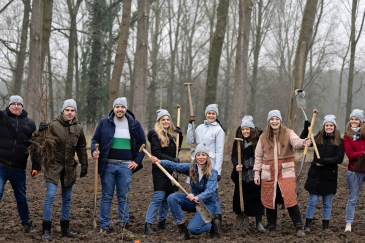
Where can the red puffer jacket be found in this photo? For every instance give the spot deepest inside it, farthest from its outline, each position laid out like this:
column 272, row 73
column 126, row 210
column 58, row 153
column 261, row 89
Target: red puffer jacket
column 354, row 150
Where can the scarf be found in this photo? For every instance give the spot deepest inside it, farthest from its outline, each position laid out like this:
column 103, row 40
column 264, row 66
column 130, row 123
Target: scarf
column 356, row 133
column 248, row 174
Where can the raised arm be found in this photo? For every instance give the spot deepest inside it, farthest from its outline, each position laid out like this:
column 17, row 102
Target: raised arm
column 296, row 142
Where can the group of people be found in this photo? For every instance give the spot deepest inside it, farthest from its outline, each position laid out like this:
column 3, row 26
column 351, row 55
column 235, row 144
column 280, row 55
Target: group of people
column 267, row 156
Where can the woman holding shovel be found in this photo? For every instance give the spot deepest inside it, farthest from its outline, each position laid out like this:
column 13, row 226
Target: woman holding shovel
column 354, row 143
column 203, row 182
column 163, row 146
column 275, row 161
column 322, row 174
column 251, row 193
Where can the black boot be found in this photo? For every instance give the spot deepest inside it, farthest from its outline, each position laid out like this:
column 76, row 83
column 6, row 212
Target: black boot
column 219, row 217
column 214, row 230
column 65, row 231
column 300, row 231
column 272, row 230
column 184, row 233
column 162, row 226
column 259, row 225
column 46, row 229
column 308, row 223
column 28, row 227
column 148, row 229
column 325, row 225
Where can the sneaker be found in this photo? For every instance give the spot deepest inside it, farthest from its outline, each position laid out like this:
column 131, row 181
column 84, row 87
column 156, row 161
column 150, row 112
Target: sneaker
column 28, row 227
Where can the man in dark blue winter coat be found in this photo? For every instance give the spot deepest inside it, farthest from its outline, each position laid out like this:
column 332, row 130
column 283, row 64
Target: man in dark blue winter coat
column 15, row 132
column 119, row 136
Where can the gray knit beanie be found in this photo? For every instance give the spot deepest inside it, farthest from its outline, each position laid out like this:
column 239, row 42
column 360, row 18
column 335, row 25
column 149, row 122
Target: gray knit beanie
column 247, row 121
column 16, row 98
column 69, row 103
column 358, row 114
column 201, row 149
column 329, row 118
column 121, row 101
column 161, row 113
column 274, row 113
column 212, row 107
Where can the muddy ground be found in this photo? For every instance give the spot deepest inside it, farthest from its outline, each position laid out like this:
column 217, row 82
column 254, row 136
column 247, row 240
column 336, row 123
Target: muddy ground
column 141, row 192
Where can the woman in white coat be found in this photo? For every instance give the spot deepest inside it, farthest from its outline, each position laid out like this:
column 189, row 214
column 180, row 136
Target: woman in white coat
column 212, row 134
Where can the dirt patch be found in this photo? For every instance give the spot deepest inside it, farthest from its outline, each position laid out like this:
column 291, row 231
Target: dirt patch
column 140, row 195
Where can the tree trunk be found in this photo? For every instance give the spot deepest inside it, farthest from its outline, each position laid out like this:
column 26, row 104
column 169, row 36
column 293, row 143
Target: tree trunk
column 121, row 52
column 46, row 32
column 50, row 85
column 301, row 54
column 215, row 53
column 340, row 89
column 240, row 75
column 34, row 82
column 20, row 58
column 141, row 62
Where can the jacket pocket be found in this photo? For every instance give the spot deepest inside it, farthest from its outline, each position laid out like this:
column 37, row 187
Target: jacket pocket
column 288, row 170
column 265, row 172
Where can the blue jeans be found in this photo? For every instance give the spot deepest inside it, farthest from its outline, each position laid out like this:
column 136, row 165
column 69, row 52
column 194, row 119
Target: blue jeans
column 218, row 207
column 354, row 180
column 50, row 197
column 118, row 175
column 17, row 179
column 327, row 205
column 179, row 203
column 158, row 202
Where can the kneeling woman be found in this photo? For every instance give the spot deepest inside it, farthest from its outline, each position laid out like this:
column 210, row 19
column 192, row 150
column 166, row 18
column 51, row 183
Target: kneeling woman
column 203, row 182
column 251, row 192
column 322, row 175
column 275, row 159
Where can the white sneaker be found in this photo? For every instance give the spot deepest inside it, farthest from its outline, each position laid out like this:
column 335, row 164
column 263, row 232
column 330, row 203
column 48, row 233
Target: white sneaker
column 348, row 227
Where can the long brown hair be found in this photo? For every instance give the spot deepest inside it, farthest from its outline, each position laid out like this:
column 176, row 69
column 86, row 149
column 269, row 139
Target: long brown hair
column 350, row 134
column 207, row 170
column 269, row 135
column 335, row 137
column 163, row 133
column 254, row 136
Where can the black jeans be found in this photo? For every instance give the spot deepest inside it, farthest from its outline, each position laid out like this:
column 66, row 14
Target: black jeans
column 294, row 212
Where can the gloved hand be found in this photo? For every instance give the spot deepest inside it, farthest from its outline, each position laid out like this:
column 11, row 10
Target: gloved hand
column 320, row 161
column 177, row 130
column 34, row 172
column 177, row 160
column 307, row 124
column 43, row 126
column 191, row 119
column 218, row 177
column 83, row 173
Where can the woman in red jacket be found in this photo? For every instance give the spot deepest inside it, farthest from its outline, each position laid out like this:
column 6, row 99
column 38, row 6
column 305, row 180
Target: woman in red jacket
column 354, row 142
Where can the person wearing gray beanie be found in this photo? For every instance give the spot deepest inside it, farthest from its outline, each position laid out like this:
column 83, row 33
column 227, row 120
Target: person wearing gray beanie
column 247, row 121
column 274, row 113
column 16, row 98
column 121, row 101
column 161, row 113
column 212, row 107
column 359, row 114
column 329, row 118
column 201, row 148
column 69, row 103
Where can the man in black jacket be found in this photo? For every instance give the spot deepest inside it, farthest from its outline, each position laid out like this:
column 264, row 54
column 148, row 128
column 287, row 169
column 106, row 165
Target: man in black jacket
column 15, row 132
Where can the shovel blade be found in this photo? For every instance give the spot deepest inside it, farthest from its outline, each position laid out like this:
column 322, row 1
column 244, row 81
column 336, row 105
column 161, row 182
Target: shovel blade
column 241, row 222
column 300, row 98
column 95, row 226
column 204, row 212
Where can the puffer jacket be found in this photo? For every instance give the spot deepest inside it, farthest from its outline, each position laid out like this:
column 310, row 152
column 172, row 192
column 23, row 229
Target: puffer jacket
column 354, row 150
column 205, row 189
column 15, row 133
column 213, row 136
column 71, row 140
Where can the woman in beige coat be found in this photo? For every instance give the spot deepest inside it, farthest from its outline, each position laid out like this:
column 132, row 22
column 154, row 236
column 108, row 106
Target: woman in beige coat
column 275, row 160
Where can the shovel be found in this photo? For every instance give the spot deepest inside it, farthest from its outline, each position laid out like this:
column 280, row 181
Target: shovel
column 241, row 221
column 192, row 146
column 316, row 149
column 95, row 226
column 202, row 209
column 301, row 104
column 175, row 175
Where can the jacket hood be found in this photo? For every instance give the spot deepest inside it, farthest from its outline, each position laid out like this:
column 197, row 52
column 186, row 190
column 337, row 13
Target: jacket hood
column 23, row 114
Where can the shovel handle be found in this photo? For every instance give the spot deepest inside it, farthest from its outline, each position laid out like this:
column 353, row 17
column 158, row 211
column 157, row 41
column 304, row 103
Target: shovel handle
column 178, row 135
column 315, row 112
column 96, row 171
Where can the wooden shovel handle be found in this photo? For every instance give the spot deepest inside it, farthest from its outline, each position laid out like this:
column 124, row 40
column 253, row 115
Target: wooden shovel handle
column 96, row 171
column 240, row 173
column 190, row 102
column 178, row 135
column 315, row 112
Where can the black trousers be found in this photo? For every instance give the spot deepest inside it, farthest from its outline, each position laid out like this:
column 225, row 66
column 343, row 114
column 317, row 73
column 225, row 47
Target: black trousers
column 294, row 212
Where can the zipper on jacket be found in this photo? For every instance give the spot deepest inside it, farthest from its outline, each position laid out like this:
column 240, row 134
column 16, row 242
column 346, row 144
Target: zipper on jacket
column 16, row 136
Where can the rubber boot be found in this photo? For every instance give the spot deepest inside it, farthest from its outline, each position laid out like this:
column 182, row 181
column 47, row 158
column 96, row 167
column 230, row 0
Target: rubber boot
column 308, row 223
column 65, row 229
column 184, row 233
column 28, row 227
column 162, row 226
column 325, row 225
column 46, row 230
column 259, row 225
column 219, row 217
column 300, row 231
column 214, row 230
column 272, row 230
column 148, row 229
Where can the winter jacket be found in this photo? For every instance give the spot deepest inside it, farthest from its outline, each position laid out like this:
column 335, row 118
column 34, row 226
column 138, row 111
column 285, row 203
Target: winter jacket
column 160, row 181
column 354, row 150
column 104, row 135
column 213, row 136
column 15, row 133
column 205, row 189
column 277, row 167
column 322, row 180
column 71, row 139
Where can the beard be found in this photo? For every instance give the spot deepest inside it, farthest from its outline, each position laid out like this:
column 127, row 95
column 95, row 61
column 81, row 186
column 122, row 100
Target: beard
column 120, row 115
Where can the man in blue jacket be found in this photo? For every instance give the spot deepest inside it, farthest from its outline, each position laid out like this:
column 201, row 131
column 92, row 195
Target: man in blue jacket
column 119, row 136
column 15, row 132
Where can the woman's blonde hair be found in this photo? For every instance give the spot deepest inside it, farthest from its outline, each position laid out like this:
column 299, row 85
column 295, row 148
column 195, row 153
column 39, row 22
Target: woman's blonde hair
column 207, row 170
column 269, row 135
column 163, row 133
column 350, row 134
